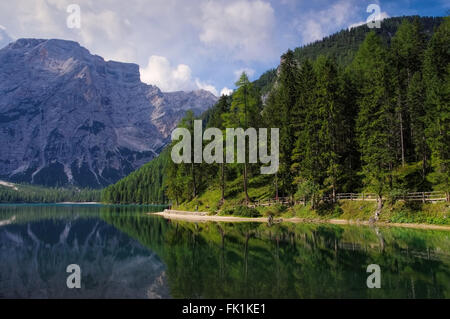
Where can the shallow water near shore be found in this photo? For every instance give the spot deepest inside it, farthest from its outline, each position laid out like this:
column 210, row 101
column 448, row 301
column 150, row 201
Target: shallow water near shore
column 125, row 253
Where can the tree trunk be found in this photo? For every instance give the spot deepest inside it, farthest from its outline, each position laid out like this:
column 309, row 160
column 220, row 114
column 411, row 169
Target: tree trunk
column 223, row 183
column 247, row 199
column 334, row 193
column 379, row 207
column 276, row 186
column 424, row 166
column 401, row 138
column 194, row 186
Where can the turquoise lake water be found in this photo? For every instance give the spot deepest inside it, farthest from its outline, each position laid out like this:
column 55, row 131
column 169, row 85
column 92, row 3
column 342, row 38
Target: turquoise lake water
column 125, row 253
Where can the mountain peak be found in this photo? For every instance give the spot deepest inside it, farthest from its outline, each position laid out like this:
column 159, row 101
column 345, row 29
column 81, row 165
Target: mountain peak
column 70, row 117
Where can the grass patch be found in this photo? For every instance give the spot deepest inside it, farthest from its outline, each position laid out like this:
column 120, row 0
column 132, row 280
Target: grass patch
column 417, row 213
column 260, row 189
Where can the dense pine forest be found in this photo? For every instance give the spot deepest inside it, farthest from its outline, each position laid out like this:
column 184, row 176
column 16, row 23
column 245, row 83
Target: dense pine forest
column 23, row 193
column 144, row 186
column 360, row 111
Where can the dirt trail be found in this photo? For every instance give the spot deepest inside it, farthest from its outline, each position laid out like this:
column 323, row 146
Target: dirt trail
column 203, row 217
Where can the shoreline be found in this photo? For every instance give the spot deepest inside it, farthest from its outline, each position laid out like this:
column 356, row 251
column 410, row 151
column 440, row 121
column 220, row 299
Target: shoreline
column 204, row 217
column 58, row 203
column 79, row 203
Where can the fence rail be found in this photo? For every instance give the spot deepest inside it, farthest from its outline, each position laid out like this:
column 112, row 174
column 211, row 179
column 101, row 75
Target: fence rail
column 413, row 196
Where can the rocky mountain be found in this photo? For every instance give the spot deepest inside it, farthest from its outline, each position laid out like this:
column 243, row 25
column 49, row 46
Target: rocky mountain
column 70, row 117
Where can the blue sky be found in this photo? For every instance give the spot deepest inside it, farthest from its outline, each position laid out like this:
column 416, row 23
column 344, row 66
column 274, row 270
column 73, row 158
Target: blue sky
column 191, row 44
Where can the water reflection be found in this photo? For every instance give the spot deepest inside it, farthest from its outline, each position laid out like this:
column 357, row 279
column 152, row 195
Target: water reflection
column 246, row 260
column 126, row 253
column 37, row 243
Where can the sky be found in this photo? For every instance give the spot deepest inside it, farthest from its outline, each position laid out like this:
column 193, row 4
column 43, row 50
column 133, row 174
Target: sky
column 195, row 44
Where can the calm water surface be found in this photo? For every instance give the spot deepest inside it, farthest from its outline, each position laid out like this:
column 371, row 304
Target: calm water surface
column 124, row 253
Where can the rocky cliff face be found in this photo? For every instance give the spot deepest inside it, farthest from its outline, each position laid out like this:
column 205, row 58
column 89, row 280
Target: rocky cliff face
column 69, row 117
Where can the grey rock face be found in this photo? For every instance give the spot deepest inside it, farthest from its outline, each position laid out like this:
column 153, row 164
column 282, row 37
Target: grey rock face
column 69, row 117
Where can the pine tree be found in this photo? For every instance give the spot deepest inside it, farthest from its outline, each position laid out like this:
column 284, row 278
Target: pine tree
column 417, row 111
column 287, row 99
column 375, row 122
column 244, row 113
column 216, row 120
column 437, row 79
column 406, row 53
column 307, row 83
column 330, row 113
column 272, row 119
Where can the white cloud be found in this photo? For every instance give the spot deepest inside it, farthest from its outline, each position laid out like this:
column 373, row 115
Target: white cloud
column 226, row 91
column 160, row 72
column 312, row 31
column 242, row 28
column 315, row 25
column 205, row 86
column 168, row 78
column 210, row 37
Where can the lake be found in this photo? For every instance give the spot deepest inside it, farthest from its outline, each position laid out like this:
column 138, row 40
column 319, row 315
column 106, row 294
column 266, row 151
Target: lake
column 125, row 253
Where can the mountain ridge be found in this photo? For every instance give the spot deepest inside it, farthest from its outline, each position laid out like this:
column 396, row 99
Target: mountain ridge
column 71, row 118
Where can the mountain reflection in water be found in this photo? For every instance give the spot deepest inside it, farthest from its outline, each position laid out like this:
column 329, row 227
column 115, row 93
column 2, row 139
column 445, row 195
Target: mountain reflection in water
column 125, row 253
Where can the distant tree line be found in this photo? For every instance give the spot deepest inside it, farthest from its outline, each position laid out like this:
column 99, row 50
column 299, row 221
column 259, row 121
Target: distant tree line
column 36, row 194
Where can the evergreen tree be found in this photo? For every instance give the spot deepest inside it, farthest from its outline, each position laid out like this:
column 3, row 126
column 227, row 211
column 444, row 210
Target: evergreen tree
column 417, row 111
column 407, row 47
column 287, row 99
column 244, row 113
column 437, row 80
column 216, row 120
column 375, row 122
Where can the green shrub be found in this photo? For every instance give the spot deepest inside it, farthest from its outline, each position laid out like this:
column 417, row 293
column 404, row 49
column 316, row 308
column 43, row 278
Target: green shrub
column 245, row 211
column 279, row 209
column 227, row 211
column 241, row 211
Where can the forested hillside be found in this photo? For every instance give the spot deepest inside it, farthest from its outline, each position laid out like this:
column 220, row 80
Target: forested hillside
column 379, row 123
column 144, row 186
column 343, row 45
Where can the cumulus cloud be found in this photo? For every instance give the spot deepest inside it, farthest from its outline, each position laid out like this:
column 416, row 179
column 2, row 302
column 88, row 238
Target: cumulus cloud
column 317, row 24
column 160, row 72
column 205, row 86
column 243, row 28
column 210, row 37
column 226, row 91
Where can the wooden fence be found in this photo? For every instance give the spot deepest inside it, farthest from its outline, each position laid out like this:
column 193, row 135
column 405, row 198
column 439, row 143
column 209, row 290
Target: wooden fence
column 415, row 196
